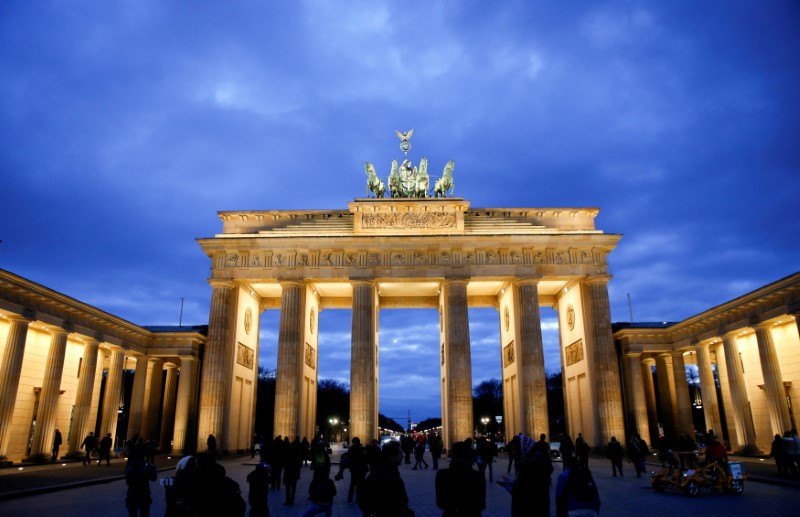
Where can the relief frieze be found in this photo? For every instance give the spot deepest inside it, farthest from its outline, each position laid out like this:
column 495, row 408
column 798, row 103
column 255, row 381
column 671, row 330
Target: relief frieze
column 422, row 257
column 412, row 220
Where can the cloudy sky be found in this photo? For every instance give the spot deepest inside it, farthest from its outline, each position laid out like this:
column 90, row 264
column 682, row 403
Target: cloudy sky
column 126, row 126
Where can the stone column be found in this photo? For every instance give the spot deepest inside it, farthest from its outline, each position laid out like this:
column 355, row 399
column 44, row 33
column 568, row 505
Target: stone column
column 532, row 376
column 137, row 398
column 113, row 395
column 611, row 421
column 708, row 389
column 650, row 398
column 740, row 410
column 168, row 408
column 683, row 402
column 48, row 398
column 10, row 373
column 459, row 367
column 152, row 398
column 666, row 395
column 186, row 408
column 364, row 362
column 636, row 396
column 81, row 425
column 216, row 392
column 773, row 380
column 290, row 360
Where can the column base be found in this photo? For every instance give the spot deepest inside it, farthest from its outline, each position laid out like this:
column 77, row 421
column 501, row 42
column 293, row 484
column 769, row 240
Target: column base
column 749, row 450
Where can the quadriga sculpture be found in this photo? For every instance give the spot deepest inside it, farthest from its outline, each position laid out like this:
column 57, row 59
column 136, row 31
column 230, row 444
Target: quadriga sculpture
column 374, row 183
column 445, row 183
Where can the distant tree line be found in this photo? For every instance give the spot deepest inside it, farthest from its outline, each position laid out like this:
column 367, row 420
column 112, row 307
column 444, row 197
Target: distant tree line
column 333, row 401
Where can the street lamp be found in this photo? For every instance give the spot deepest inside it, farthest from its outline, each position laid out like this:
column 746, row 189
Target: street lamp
column 485, row 421
column 333, row 421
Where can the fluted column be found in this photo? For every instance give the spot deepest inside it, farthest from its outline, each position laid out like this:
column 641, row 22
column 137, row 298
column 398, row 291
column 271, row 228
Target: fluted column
column 608, row 391
column 152, row 398
column 168, row 408
column 459, row 367
column 186, row 407
column 83, row 399
column 535, row 419
column 650, row 398
column 137, row 398
column 636, row 395
column 113, row 395
column 364, row 363
column 48, row 398
column 289, row 373
column 683, row 401
column 773, row 381
column 666, row 395
column 740, row 410
column 9, row 375
column 215, row 392
column 708, row 388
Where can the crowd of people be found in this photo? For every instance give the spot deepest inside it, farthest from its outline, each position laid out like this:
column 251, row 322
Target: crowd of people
column 786, row 452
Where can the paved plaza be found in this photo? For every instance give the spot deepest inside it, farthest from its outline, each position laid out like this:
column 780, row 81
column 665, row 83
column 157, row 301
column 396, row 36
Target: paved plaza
column 103, row 492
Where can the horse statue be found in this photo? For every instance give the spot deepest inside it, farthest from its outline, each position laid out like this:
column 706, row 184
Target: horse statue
column 394, row 181
column 445, row 183
column 374, row 183
column 422, row 179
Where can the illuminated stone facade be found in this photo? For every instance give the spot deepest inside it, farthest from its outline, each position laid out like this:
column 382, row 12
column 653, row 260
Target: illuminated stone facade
column 747, row 358
column 396, row 253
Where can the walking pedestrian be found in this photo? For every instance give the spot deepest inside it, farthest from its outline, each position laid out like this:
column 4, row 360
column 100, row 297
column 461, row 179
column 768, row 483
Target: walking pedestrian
column 105, row 450
column 419, row 452
column 89, row 443
column 436, row 445
column 638, row 453
column 258, row 495
column 576, row 492
column 138, row 475
column 321, row 491
column 530, row 495
column 615, row 453
column 460, row 489
column 291, row 469
column 582, row 450
column 56, row 445
column 384, row 493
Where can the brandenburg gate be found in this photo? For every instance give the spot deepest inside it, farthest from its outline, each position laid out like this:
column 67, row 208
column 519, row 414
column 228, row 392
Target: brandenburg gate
column 404, row 252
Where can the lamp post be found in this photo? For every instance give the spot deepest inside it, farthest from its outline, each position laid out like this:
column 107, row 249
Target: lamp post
column 333, row 421
column 485, row 421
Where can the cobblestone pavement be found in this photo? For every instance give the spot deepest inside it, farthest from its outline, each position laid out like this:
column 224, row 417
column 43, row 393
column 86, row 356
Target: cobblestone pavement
column 627, row 496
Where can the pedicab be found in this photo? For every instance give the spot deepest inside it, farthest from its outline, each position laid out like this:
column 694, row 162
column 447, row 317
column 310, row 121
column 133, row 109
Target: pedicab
column 726, row 476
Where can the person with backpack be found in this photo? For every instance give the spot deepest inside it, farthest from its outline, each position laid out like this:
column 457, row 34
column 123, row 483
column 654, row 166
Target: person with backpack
column 530, row 494
column 258, row 495
column 576, row 492
column 321, row 492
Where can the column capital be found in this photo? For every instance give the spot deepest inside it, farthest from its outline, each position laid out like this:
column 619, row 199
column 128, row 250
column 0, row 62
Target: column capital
column 597, row 279
column 363, row 281
column 291, row 283
column 648, row 360
column 216, row 282
column 17, row 318
column 170, row 366
column 633, row 354
column 455, row 281
column 187, row 359
column 763, row 325
column 155, row 360
column 527, row 280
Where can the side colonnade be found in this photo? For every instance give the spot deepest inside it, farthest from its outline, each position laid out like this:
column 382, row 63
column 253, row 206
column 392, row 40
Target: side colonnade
column 63, row 366
column 746, row 355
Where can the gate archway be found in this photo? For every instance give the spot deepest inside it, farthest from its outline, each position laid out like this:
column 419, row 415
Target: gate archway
column 423, row 252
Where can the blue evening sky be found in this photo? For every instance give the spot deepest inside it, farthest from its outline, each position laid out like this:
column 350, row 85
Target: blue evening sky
column 125, row 127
